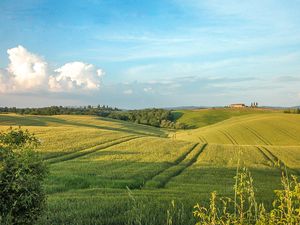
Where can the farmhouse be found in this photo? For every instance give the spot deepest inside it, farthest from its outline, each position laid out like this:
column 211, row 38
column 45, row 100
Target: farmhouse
column 237, row 105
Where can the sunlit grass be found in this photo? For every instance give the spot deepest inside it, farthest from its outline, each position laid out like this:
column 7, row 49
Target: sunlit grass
column 93, row 160
column 261, row 129
column 204, row 117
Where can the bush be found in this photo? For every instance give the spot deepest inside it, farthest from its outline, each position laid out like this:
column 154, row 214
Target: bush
column 22, row 198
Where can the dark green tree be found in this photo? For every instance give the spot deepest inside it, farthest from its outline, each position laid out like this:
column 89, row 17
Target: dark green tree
column 22, row 171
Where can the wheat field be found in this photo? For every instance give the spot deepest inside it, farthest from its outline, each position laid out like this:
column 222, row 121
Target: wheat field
column 94, row 161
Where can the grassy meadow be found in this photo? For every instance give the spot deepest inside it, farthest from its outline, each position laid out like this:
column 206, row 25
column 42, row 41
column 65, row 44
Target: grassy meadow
column 105, row 171
column 203, row 117
column 253, row 129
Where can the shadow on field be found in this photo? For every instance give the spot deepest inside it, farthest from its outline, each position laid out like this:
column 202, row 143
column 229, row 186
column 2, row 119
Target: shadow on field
column 8, row 120
column 92, row 172
column 117, row 173
column 132, row 125
column 88, row 203
column 176, row 115
column 118, row 208
column 114, row 153
column 127, row 127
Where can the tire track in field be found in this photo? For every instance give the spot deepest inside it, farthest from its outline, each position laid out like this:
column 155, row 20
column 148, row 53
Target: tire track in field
column 87, row 151
column 177, row 161
column 232, row 138
column 61, row 154
column 288, row 133
column 292, row 136
column 229, row 137
column 256, row 134
column 185, row 165
column 163, row 178
column 267, row 156
column 202, row 139
column 276, row 161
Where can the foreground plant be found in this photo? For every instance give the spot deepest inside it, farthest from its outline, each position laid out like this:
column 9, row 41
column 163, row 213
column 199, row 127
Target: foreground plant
column 246, row 211
column 22, row 198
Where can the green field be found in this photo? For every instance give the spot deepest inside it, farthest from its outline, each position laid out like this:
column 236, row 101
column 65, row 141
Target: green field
column 93, row 161
column 254, row 129
column 203, row 117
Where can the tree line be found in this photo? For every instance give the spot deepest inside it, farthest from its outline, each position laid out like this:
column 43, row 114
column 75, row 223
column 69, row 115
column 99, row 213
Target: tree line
column 294, row 111
column 61, row 110
column 153, row 117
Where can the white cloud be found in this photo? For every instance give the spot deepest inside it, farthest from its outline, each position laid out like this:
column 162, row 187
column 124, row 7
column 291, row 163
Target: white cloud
column 148, row 89
column 29, row 72
column 128, row 92
column 76, row 75
column 5, row 81
column 26, row 71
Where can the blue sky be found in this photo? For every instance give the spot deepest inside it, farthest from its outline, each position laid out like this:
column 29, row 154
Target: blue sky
column 135, row 54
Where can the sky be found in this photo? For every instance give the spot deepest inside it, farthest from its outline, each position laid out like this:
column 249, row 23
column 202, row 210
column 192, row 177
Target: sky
column 158, row 53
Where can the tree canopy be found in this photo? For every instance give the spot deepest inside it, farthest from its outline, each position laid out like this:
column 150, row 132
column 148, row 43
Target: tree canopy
column 22, row 171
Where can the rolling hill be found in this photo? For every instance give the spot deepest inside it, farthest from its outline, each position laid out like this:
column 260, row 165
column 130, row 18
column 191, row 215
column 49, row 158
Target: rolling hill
column 203, row 117
column 252, row 129
column 93, row 162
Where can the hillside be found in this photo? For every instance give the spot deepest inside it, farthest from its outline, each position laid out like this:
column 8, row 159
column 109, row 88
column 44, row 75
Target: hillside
column 203, row 117
column 252, row 129
column 94, row 160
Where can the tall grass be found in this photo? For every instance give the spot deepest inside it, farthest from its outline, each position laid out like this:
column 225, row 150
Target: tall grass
column 244, row 209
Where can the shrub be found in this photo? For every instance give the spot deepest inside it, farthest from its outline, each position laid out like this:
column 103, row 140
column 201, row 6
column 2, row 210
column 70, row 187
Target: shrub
column 22, row 171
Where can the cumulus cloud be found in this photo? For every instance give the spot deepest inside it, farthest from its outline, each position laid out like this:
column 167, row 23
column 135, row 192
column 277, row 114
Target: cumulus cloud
column 5, row 81
column 148, row 89
column 29, row 72
column 128, row 92
column 26, row 71
column 76, row 75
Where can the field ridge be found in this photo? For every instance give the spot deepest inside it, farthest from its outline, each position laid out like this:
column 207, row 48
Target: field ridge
column 255, row 133
column 50, row 157
column 267, row 156
column 177, row 161
column 161, row 179
column 277, row 162
column 202, row 139
column 90, row 150
column 229, row 137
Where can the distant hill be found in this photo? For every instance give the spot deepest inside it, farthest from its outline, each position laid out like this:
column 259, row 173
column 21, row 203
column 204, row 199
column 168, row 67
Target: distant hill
column 249, row 129
column 204, row 117
column 185, row 107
